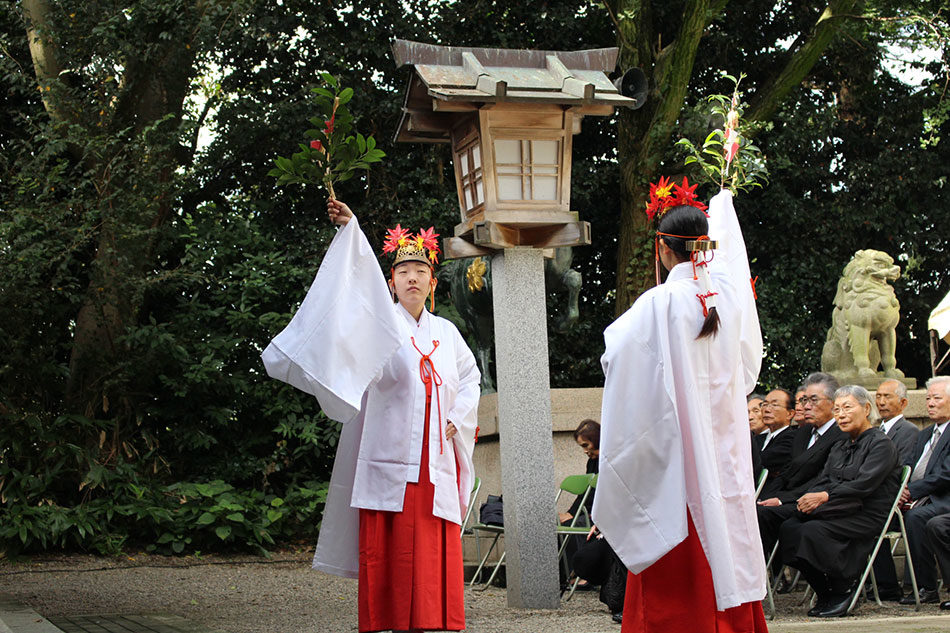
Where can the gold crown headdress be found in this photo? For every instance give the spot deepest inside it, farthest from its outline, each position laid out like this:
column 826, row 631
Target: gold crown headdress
column 421, row 247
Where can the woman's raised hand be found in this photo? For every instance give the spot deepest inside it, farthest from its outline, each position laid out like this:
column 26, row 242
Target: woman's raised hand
column 338, row 211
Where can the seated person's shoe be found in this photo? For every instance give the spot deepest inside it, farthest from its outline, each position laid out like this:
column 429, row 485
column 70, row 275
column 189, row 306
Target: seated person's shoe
column 837, row 605
column 784, row 585
column 890, row 594
column 820, row 605
column 927, row 596
column 618, row 617
column 945, row 606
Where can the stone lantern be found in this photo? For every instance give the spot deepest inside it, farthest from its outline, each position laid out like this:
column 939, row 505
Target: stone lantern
column 510, row 117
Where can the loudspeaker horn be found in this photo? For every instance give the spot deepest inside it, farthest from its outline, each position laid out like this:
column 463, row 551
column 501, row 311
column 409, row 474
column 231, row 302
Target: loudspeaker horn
column 633, row 84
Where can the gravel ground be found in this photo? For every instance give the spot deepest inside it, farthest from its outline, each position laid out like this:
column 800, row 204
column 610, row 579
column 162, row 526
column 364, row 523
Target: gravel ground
column 246, row 594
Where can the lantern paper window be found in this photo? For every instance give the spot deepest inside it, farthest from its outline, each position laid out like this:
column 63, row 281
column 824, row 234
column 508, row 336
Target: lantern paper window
column 469, row 161
column 527, row 169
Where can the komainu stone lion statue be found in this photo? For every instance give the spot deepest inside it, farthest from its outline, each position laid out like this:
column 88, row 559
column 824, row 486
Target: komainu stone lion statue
column 862, row 333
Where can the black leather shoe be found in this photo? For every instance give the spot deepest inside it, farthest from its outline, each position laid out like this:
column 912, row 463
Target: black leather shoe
column 837, row 606
column 820, row 605
column 945, row 606
column 890, row 594
column 927, row 596
column 784, row 585
column 618, row 616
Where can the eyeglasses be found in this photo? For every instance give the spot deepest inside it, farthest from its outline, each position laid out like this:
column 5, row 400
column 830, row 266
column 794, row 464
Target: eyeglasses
column 811, row 400
column 773, row 405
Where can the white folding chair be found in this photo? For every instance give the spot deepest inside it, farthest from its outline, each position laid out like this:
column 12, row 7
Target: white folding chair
column 896, row 535
column 760, row 484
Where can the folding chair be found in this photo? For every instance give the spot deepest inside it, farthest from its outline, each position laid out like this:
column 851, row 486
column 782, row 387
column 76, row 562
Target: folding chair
column 760, row 484
column 574, row 484
column 897, row 535
column 868, row 569
column 471, row 506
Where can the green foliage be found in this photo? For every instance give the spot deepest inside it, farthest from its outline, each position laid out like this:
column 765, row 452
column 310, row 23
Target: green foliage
column 334, row 154
column 40, row 471
column 728, row 158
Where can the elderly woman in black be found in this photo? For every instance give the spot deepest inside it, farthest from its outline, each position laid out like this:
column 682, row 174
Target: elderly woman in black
column 832, row 534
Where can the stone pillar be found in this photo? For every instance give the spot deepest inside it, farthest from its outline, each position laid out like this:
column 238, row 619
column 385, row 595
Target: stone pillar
column 524, row 428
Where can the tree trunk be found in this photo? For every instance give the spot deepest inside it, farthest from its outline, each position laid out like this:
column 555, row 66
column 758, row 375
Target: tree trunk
column 644, row 135
column 124, row 248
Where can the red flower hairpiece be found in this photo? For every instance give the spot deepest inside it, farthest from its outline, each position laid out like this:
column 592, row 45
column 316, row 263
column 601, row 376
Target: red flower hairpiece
column 407, row 245
column 665, row 196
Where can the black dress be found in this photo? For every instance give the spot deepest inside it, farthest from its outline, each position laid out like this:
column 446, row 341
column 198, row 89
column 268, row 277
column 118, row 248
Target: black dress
column 861, row 478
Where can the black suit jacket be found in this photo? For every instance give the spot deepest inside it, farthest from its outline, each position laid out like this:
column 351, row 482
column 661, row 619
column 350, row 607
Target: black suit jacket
column 904, row 436
column 805, row 466
column 778, row 452
column 936, row 479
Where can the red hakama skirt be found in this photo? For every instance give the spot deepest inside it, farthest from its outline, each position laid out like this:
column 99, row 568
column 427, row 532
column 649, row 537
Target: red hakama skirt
column 410, row 572
column 676, row 594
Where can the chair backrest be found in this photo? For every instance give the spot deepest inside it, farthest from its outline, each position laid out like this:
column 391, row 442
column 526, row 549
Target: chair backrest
column 471, row 503
column 578, row 485
column 761, row 483
column 905, row 477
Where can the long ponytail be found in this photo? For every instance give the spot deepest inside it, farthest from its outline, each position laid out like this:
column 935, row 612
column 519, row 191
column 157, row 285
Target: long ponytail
column 676, row 224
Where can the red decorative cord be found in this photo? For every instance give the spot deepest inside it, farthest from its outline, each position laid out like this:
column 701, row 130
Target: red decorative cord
column 702, row 300
column 429, row 375
column 754, row 280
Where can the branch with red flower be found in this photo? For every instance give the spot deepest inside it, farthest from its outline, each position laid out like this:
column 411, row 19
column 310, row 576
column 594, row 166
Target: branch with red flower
column 728, row 158
column 335, row 151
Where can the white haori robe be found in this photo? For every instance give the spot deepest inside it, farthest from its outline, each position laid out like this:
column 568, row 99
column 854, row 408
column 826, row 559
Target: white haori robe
column 352, row 347
column 674, row 431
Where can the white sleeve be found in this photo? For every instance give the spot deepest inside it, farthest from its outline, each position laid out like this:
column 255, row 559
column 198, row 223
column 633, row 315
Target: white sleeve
column 731, row 257
column 345, row 331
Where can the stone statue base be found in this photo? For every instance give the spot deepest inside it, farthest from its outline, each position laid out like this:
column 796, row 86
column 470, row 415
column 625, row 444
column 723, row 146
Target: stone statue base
column 871, row 383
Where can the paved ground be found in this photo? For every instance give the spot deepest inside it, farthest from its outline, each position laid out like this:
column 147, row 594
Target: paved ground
column 282, row 595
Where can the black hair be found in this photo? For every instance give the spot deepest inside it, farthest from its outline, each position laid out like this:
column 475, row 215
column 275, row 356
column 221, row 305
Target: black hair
column 691, row 223
column 590, row 431
column 790, row 402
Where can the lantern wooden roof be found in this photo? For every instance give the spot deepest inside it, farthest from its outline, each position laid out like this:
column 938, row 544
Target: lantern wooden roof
column 452, row 79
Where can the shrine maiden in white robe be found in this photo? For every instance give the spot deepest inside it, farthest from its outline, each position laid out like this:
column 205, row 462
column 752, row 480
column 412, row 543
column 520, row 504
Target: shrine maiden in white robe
column 352, row 347
column 674, row 433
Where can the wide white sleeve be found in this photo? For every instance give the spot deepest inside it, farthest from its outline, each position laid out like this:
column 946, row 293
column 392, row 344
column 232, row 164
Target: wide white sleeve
column 731, row 257
column 345, row 331
column 640, row 504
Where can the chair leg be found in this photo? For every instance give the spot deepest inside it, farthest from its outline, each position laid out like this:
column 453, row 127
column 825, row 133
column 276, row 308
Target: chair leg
column 481, row 565
column 909, row 562
column 495, row 571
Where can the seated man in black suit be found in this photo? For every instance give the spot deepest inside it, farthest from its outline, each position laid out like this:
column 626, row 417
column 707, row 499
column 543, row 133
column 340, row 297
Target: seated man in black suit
column 928, row 493
column 938, row 537
column 776, row 444
column 812, row 443
column 891, row 400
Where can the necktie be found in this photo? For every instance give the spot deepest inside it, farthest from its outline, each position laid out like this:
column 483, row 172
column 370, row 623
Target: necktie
column 921, row 466
column 814, row 437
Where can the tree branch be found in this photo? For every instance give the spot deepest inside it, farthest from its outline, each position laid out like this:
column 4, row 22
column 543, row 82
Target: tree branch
column 770, row 96
column 45, row 55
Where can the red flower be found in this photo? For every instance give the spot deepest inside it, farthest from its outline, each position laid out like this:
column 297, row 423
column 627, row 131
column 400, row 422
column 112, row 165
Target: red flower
column 329, row 130
column 317, row 145
column 429, row 240
column 394, row 239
